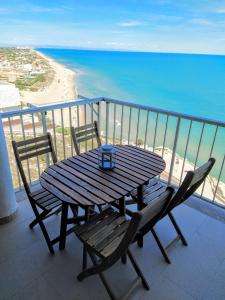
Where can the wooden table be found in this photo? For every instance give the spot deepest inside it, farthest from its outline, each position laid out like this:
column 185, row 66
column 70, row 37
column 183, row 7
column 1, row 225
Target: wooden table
column 79, row 181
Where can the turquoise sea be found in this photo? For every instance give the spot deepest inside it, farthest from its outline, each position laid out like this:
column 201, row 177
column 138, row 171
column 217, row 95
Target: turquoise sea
column 185, row 83
column 192, row 84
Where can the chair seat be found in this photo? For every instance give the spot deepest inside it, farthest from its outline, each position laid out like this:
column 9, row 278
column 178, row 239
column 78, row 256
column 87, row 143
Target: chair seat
column 104, row 232
column 151, row 191
column 45, row 200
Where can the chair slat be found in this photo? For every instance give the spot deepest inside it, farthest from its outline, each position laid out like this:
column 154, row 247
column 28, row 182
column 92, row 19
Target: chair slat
column 86, row 132
column 200, row 173
column 85, row 228
column 53, row 205
column 112, row 246
column 156, row 207
column 151, row 196
column 31, row 141
column 191, row 182
column 152, row 188
column 34, row 147
column 48, row 202
column 45, row 198
column 35, row 154
column 105, row 231
column 96, row 227
column 86, row 138
column 84, row 127
column 117, row 232
column 41, row 195
column 36, row 192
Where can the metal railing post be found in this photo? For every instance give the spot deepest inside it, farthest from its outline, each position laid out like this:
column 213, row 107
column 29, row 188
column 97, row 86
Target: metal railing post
column 8, row 205
column 174, row 151
column 99, row 117
column 45, row 130
column 107, row 122
column 121, row 129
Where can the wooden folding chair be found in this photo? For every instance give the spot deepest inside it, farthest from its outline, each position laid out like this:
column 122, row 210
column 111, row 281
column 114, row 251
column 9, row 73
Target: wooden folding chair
column 41, row 198
column 190, row 184
column 108, row 235
column 85, row 133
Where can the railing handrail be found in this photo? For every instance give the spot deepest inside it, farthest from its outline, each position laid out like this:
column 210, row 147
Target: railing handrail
column 85, row 100
column 166, row 112
column 43, row 108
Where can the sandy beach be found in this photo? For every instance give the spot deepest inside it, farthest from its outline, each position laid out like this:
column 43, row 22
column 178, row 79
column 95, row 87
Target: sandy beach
column 62, row 88
column 181, row 167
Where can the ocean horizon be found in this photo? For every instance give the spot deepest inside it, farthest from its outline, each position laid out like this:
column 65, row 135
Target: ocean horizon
column 191, row 84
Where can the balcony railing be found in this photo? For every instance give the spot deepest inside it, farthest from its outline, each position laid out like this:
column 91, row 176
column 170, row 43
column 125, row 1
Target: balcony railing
column 184, row 141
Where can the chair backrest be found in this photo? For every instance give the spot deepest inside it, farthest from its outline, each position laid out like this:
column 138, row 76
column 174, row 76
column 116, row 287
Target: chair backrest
column 30, row 148
column 85, row 133
column 141, row 222
column 191, row 183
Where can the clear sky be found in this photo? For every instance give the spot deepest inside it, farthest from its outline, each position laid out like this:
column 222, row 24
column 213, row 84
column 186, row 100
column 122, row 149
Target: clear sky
column 190, row 26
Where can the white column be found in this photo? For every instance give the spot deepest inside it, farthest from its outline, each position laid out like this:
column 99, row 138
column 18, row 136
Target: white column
column 8, row 204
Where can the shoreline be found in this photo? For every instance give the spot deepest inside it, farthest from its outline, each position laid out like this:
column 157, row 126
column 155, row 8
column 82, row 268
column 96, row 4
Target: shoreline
column 62, row 88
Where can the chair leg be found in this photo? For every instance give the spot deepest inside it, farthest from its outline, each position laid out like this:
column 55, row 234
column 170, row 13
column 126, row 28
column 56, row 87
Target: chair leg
column 177, row 228
column 84, row 264
column 138, row 270
column 58, row 210
column 124, row 259
column 99, row 269
column 39, row 218
column 35, row 221
column 88, row 212
column 162, row 249
column 74, row 210
column 140, row 242
column 46, row 236
column 87, row 273
column 102, row 277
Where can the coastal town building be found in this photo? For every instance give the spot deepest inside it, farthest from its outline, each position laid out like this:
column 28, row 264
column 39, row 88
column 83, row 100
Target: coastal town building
column 9, row 96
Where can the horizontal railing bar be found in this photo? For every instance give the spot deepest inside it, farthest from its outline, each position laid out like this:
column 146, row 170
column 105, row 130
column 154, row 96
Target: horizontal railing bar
column 99, row 99
column 166, row 112
column 54, row 106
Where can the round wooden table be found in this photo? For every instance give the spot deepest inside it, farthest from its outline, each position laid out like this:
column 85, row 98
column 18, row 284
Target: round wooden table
column 79, row 181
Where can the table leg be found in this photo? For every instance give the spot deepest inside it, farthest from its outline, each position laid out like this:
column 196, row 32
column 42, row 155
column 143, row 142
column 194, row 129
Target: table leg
column 87, row 215
column 139, row 207
column 62, row 242
column 122, row 206
column 123, row 212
